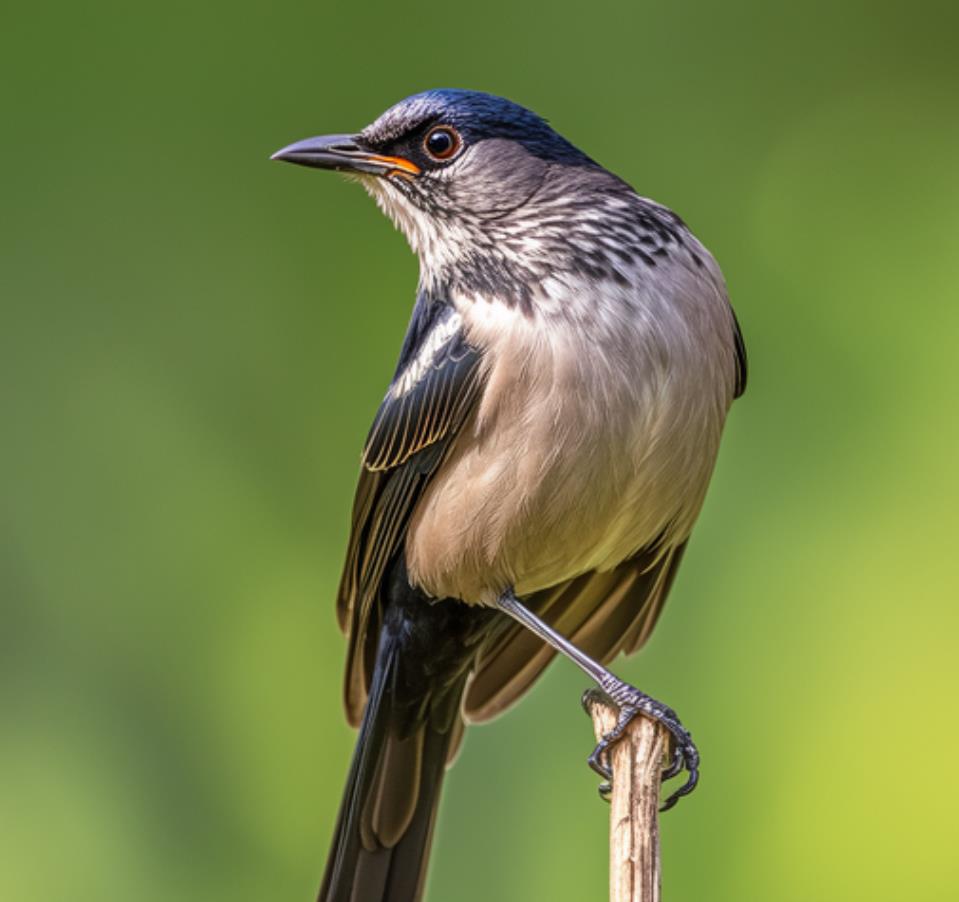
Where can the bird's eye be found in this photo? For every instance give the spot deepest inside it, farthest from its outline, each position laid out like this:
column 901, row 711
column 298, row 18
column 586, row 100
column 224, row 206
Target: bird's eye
column 442, row 142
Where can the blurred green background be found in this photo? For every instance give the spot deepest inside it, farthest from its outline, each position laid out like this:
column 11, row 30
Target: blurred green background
column 194, row 340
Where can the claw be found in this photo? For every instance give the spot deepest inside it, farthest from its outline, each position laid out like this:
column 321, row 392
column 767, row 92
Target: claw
column 683, row 756
column 675, row 765
column 599, row 760
column 688, row 756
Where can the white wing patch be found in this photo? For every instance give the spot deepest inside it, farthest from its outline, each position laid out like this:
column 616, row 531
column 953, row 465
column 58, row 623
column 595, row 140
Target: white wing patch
column 426, row 357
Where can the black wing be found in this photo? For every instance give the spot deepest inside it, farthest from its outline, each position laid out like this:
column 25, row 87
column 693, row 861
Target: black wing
column 742, row 366
column 433, row 391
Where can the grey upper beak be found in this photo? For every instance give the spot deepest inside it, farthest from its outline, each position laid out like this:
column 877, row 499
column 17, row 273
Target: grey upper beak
column 340, row 152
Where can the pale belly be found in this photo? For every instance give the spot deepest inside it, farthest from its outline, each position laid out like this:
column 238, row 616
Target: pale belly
column 572, row 464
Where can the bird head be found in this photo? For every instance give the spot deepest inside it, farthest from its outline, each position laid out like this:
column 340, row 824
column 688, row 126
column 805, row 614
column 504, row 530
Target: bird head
column 463, row 174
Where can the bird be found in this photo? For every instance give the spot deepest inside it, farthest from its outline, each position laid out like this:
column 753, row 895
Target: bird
column 532, row 475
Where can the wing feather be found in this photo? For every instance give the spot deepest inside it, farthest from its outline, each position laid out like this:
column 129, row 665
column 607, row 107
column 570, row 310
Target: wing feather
column 433, row 391
column 427, row 395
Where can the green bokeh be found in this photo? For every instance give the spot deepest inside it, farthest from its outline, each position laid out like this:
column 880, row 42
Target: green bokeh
column 193, row 343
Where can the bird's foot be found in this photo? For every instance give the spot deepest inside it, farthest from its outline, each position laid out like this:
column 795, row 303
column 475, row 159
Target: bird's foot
column 632, row 702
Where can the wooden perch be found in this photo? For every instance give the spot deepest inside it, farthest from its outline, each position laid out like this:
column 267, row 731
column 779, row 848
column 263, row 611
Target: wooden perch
column 637, row 762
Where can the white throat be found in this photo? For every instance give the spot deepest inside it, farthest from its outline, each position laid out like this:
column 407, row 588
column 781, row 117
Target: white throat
column 436, row 248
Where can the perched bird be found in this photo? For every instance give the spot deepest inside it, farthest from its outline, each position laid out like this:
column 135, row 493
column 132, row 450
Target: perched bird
column 534, row 471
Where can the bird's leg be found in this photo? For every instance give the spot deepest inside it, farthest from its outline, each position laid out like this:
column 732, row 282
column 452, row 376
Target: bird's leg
column 627, row 698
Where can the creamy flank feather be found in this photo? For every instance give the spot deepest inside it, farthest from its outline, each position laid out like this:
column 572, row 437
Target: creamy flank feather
column 590, row 442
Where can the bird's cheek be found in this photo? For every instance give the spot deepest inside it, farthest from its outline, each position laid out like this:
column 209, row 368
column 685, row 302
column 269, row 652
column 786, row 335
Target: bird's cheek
column 501, row 176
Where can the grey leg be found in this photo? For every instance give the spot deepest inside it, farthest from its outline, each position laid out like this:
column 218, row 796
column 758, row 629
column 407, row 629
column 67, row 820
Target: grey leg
column 627, row 698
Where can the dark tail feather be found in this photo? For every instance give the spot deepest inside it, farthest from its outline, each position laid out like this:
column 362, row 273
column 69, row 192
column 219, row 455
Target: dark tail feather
column 382, row 838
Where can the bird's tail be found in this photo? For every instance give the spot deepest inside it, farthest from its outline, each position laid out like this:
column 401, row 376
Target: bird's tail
column 410, row 728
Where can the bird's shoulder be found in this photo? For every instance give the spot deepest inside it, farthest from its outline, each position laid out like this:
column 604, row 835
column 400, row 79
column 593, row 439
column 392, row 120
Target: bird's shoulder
column 435, row 382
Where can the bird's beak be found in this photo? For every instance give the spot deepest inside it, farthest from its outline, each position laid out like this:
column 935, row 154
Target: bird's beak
column 341, row 153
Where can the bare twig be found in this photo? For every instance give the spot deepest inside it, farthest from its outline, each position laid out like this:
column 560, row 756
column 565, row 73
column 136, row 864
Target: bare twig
column 637, row 762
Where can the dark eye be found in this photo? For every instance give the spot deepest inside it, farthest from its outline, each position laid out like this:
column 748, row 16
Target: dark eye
column 442, row 142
